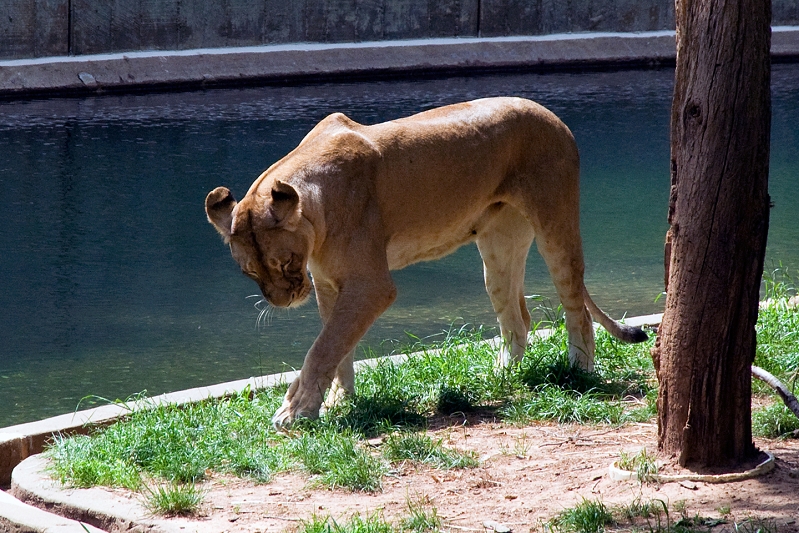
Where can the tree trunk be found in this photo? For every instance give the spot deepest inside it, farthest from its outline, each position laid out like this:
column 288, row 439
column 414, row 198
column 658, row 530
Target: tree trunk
column 718, row 216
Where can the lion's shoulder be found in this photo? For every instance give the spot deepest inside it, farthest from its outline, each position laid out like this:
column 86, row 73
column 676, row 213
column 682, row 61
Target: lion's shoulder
column 330, row 126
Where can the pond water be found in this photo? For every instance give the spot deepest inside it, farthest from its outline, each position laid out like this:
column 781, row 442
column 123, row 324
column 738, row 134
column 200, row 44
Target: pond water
column 114, row 283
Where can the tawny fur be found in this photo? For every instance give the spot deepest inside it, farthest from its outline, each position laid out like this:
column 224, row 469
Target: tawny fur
column 353, row 202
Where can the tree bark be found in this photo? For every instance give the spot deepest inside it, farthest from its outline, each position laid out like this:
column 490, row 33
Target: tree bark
column 718, row 216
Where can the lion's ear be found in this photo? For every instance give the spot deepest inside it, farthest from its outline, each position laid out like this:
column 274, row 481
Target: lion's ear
column 283, row 204
column 219, row 206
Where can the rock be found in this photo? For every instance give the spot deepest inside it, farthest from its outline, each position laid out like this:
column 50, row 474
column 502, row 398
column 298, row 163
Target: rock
column 496, row 526
column 87, row 79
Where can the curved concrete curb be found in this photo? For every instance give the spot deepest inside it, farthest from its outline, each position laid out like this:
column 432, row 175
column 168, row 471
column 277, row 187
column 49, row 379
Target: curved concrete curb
column 767, row 465
column 101, row 507
column 18, row 517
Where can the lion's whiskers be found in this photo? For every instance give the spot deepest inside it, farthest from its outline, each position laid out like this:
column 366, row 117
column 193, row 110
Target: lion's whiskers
column 265, row 311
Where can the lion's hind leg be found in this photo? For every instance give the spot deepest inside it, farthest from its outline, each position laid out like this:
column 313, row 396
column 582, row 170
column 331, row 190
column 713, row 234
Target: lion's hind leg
column 503, row 244
column 564, row 259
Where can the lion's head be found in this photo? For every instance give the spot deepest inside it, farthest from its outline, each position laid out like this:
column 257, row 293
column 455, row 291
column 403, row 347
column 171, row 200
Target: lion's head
column 267, row 239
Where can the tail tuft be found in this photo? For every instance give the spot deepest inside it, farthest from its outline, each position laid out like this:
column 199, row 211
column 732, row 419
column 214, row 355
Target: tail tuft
column 632, row 334
column 621, row 331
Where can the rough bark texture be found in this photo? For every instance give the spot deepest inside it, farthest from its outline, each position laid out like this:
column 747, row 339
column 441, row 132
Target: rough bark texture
column 718, row 213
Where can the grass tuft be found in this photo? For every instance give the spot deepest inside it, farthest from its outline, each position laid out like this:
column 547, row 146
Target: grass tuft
column 422, row 517
column 173, row 499
column 452, row 401
column 649, row 510
column 774, row 421
column 756, row 525
column 373, row 523
column 588, row 516
column 338, row 460
column 643, row 464
column 316, row 524
column 420, row 448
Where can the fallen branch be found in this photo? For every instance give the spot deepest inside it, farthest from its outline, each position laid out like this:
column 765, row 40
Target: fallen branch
column 787, row 398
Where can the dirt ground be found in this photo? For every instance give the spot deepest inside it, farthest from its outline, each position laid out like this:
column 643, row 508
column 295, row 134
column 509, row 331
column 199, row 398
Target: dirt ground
column 526, row 476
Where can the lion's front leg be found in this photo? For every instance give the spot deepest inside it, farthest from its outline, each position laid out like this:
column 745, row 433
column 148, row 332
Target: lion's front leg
column 343, row 382
column 344, row 379
column 309, row 404
column 353, row 313
column 303, row 398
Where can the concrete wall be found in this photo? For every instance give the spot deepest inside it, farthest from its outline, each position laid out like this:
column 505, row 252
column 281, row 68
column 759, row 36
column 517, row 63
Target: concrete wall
column 39, row 28
column 33, row 28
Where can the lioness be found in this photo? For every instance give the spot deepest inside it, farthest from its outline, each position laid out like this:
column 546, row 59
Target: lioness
column 353, row 202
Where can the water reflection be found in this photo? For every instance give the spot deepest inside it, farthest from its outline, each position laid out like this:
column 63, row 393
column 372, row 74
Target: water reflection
column 114, row 282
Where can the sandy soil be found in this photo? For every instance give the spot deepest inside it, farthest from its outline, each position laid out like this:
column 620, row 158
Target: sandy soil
column 527, row 475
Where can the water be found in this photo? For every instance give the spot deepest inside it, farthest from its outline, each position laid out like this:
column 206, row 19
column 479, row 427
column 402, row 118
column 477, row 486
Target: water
column 114, row 283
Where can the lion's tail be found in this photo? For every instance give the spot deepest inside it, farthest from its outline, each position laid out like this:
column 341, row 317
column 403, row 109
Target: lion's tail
column 620, row 331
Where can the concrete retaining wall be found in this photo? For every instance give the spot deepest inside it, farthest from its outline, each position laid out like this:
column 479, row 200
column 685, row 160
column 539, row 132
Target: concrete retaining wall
column 41, row 28
column 37, row 28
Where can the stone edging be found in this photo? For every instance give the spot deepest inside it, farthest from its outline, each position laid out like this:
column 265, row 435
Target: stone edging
column 154, row 70
column 315, row 62
column 94, row 505
column 24, row 518
column 766, row 466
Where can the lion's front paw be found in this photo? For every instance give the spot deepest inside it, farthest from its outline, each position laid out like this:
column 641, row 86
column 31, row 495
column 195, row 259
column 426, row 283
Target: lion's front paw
column 300, row 402
column 335, row 396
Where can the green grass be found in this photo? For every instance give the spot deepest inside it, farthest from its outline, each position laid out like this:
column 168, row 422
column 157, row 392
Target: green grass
column 778, row 328
column 421, row 517
column 755, row 525
column 421, row 448
column 647, row 510
column 642, row 463
column 646, row 516
column 774, row 421
column 336, row 459
column 173, row 499
column 588, row 516
column 777, row 353
column 176, row 445
column 371, row 524
column 460, row 376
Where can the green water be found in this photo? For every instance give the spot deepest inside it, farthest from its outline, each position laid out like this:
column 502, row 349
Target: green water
column 114, row 283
